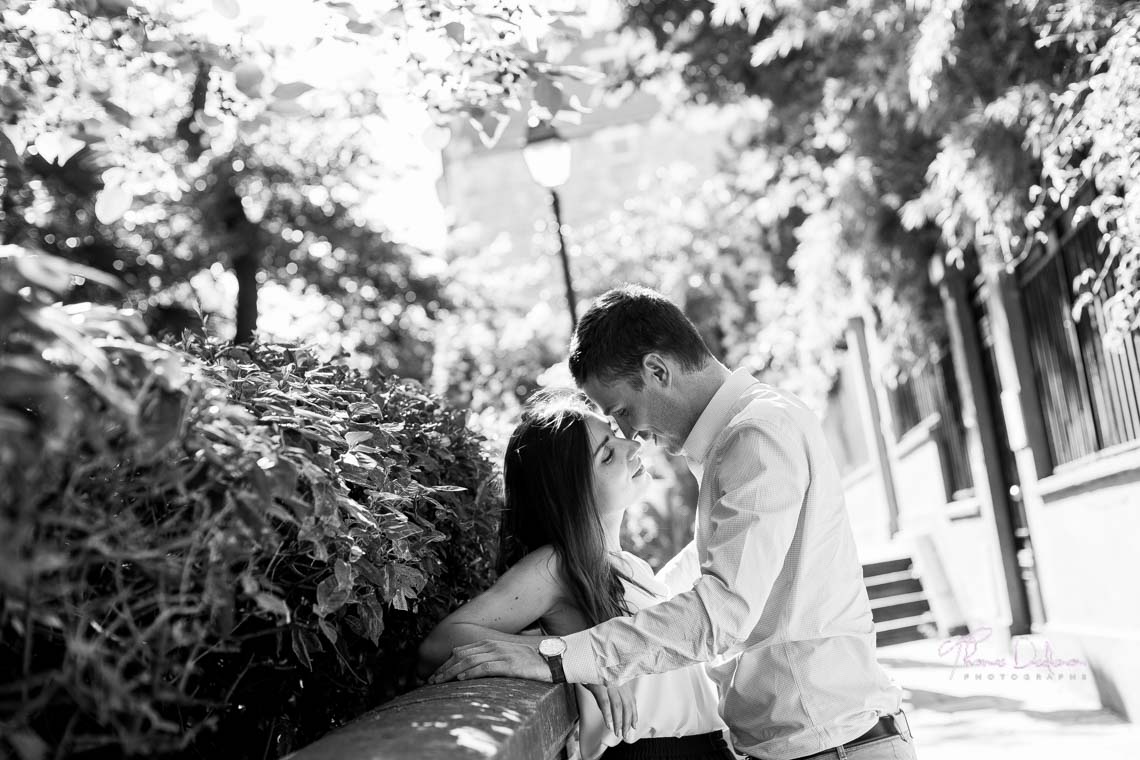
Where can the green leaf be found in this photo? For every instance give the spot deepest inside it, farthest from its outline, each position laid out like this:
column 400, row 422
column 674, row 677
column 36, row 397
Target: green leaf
column 329, row 632
column 57, row 147
column 357, row 437
column 287, row 108
column 330, row 597
column 47, row 272
column 114, row 8
column 273, row 604
column 10, row 97
column 548, row 94
column 248, row 77
column 290, row 90
column 8, row 153
column 372, row 612
column 456, row 31
column 343, row 574
column 301, row 649
column 361, row 27
column 118, row 113
column 112, row 203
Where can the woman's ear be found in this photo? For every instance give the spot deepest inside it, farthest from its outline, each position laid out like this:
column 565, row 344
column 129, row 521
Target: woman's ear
column 657, row 368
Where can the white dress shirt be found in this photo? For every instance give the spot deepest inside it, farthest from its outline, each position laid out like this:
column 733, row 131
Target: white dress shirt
column 678, row 702
column 780, row 592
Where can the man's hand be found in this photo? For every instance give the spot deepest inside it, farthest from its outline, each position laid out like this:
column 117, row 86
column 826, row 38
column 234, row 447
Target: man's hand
column 485, row 659
column 618, row 708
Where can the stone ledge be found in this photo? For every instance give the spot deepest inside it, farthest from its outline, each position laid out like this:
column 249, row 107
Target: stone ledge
column 492, row 718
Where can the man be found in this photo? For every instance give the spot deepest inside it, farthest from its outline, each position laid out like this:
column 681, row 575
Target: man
column 780, row 599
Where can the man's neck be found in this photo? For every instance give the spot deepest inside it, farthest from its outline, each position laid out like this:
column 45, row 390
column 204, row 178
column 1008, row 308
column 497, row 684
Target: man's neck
column 702, row 385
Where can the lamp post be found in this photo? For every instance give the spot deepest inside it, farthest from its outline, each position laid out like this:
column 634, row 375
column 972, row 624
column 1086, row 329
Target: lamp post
column 547, row 156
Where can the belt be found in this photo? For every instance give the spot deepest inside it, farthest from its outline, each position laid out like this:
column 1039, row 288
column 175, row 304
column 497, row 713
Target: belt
column 885, row 726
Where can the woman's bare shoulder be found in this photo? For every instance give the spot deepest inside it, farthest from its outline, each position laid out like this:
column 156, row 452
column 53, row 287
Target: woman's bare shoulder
column 542, row 565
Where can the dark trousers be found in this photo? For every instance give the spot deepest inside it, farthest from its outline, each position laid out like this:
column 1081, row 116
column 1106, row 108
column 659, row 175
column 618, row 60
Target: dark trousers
column 699, row 747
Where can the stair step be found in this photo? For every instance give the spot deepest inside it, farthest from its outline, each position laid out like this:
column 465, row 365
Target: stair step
column 923, row 618
column 909, row 609
column 898, row 636
column 878, row 580
column 886, row 566
column 903, row 585
column 905, row 629
column 887, row 601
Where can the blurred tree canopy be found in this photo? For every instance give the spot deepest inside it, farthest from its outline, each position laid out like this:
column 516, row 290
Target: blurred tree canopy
column 878, row 134
column 161, row 141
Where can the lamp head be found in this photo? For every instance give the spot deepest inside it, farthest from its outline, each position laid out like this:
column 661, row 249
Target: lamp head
column 547, row 155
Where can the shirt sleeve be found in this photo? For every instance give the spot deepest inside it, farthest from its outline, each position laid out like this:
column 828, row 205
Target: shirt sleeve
column 682, row 571
column 762, row 475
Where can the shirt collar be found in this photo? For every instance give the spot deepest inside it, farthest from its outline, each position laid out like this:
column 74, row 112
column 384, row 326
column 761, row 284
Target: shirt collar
column 716, row 415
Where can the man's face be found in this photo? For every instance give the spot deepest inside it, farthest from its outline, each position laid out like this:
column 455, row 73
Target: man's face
column 654, row 413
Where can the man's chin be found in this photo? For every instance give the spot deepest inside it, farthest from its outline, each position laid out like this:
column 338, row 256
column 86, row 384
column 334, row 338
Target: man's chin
column 669, row 446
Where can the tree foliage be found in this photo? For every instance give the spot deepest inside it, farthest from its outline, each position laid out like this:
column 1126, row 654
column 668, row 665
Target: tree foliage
column 939, row 127
column 212, row 549
column 154, row 139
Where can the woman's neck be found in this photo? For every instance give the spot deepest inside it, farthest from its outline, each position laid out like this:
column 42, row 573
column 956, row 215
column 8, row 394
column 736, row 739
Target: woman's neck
column 611, row 526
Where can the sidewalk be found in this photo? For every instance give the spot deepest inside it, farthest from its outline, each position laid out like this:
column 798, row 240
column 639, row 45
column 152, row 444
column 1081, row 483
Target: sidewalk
column 968, row 701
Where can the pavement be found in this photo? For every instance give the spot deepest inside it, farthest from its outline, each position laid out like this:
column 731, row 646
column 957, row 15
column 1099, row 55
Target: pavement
column 975, row 698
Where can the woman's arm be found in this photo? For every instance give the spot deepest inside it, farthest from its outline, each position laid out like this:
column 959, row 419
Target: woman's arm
column 524, row 594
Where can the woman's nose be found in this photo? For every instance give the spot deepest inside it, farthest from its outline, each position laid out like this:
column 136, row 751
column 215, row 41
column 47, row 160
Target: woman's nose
column 636, row 447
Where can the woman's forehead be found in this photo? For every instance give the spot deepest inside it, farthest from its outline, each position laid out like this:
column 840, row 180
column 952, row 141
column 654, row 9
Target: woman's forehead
column 598, row 426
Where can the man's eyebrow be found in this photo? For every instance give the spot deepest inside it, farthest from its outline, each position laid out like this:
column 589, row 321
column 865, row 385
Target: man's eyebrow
column 600, row 445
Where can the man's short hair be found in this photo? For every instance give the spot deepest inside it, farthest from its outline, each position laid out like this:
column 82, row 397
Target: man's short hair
column 625, row 324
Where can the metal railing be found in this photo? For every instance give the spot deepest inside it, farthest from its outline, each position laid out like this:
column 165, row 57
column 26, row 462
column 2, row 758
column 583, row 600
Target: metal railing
column 1090, row 394
column 929, row 389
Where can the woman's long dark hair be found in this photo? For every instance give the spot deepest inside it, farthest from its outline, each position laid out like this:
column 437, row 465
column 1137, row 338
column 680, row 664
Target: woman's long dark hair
column 550, row 500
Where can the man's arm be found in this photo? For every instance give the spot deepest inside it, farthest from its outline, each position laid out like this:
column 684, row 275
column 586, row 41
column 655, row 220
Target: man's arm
column 763, row 478
column 682, row 571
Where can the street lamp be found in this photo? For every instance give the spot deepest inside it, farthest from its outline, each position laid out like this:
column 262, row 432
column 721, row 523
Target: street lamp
column 547, row 157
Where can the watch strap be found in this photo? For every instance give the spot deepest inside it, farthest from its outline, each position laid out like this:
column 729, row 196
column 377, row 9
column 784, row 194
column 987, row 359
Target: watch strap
column 557, row 674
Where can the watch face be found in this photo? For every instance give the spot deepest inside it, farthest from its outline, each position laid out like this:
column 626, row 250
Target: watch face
column 551, row 647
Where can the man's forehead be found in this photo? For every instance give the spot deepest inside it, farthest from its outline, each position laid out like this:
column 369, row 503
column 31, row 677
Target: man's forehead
column 607, row 394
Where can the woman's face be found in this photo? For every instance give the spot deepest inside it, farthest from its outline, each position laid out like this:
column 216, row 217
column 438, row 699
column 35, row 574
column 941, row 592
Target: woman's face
column 619, row 475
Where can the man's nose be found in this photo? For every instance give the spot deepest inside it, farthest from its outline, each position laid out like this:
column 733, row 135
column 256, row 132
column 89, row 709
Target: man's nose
column 626, row 428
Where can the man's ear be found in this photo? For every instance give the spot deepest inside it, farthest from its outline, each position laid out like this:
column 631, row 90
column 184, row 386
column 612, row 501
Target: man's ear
column 657, row 368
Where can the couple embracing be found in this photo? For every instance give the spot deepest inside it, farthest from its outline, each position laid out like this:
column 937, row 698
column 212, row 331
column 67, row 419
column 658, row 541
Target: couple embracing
column 759, row 629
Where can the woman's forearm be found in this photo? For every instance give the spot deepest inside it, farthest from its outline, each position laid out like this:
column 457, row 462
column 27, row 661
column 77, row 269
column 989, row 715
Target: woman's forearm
column 436, row 648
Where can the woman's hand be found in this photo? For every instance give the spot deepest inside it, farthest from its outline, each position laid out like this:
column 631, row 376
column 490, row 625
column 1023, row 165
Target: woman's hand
column 619, row 710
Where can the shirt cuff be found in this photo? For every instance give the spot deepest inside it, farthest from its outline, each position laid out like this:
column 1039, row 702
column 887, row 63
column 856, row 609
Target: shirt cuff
column 578, row 660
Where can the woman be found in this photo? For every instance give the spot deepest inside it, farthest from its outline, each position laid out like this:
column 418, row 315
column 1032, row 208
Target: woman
column 569, row 479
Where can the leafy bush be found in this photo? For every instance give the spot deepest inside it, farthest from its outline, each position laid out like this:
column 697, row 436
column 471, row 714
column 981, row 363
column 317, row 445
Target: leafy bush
column 211, row 549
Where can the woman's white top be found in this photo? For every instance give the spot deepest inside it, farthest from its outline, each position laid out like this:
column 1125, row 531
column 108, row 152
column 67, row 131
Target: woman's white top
column 677, row 703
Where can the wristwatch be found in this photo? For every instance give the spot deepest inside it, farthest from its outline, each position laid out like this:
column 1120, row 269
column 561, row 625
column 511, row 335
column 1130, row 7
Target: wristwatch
column 552, row 650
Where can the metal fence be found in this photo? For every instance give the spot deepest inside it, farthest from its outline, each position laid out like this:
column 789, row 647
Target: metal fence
column 1090, row 395
column 930, row 388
